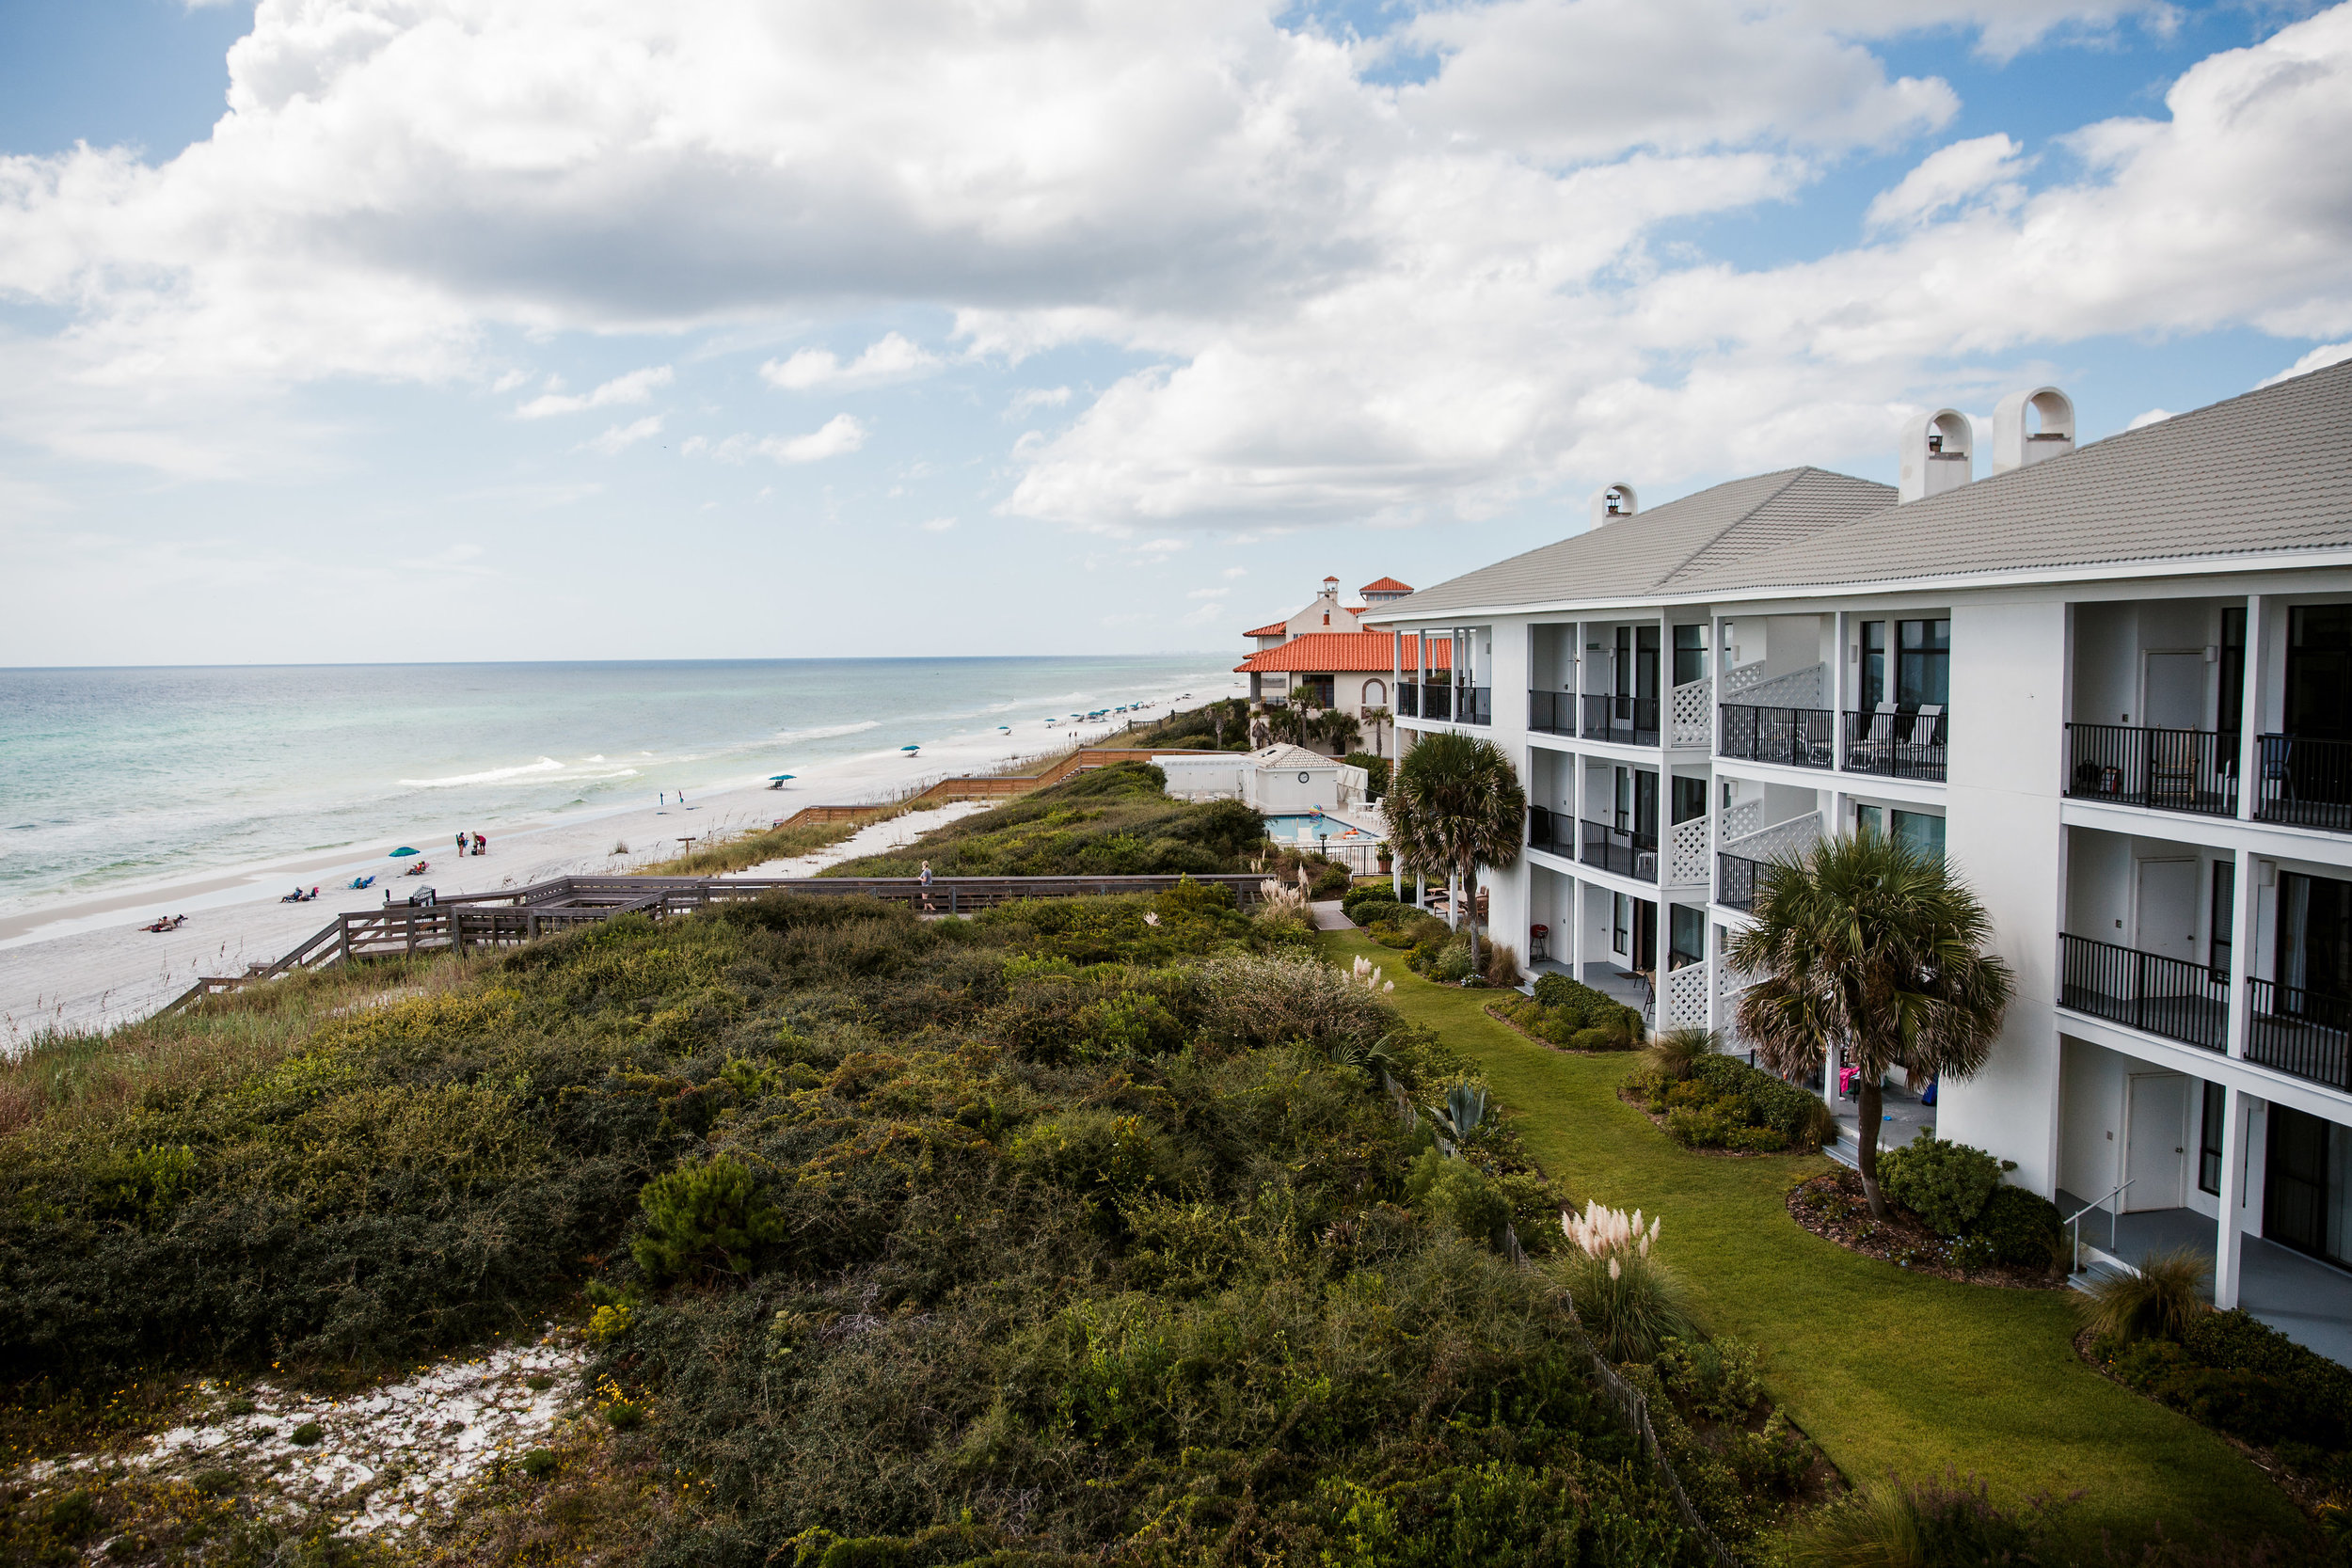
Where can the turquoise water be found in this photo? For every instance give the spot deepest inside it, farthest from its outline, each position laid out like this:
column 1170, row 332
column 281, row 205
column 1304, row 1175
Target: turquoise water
column 114, row 777
column 1304, row 829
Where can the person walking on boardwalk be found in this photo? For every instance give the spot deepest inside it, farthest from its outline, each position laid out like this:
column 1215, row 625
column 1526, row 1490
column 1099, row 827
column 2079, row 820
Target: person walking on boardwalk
column 926, row 880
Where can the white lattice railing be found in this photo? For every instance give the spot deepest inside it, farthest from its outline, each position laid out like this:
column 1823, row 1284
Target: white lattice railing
column 1780, row 841
column 1687, row 861
column 1686, row 996
column 1691, row 715
column 1742, row 819
column 1794, row 689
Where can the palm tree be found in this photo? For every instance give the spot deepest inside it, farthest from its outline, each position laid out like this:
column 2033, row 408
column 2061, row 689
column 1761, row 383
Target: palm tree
column 1338, row 729
column 1455, row 804
column 1873, row 946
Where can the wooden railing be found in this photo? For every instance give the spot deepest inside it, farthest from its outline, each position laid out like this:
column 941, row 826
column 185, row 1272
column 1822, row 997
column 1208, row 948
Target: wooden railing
column 509, row 917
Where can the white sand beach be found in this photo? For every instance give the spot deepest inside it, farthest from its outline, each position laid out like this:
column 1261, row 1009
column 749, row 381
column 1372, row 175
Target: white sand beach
column 88, row 965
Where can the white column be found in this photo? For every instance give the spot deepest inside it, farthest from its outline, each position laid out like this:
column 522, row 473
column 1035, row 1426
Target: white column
column 1839, row 694
column 2242, row 905
column 1577, row 918
column 2249, row 715
column 2228, row 1242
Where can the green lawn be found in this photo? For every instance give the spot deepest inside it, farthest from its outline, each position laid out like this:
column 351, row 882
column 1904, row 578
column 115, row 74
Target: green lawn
column 1887, row 1371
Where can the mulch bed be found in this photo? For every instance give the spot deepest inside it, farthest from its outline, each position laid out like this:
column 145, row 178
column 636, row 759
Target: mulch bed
column 1830, row 1206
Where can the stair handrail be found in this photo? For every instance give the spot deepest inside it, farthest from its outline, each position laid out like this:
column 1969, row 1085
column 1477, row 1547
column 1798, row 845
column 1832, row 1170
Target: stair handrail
column 2074, row 1221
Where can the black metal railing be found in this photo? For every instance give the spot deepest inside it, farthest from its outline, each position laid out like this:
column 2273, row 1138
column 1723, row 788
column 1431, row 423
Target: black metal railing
column 2305, row 783
column 1631, row 721
column 1436, row 702
column 2133, row 764
column 2172, row 997
column 1800, row 736
column 1474, row 705
column 1896, row 745
column 1553, row 832
column 1551, row 712
column 1735, row 881
column 2301, row 1032
column 1626, row 853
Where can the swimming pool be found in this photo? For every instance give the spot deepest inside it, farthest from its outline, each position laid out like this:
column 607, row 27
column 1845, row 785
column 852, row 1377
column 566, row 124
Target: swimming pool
column 1304, row 829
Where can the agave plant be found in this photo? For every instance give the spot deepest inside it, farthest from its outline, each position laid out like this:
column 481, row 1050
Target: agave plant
column 1375, row 1058
column 1465, row 1107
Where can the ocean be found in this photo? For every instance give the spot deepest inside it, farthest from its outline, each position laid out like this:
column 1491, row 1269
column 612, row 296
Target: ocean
column 112, row 778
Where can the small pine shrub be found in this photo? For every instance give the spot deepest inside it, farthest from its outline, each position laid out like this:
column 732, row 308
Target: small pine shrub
column 1947, row 1184
column 539, row 1464
column 1457, row 1194
column 625, row 1415
column 213, row 1483
column 308, row 1434
column 2159, row 1302
column 709, row 1215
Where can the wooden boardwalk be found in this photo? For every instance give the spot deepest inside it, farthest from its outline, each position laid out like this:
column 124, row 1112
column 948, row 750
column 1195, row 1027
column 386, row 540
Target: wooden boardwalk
column 991, row 786
column 515, row 915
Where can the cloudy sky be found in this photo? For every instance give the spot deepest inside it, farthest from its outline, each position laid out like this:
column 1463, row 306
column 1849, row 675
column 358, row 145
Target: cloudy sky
column 568, row 329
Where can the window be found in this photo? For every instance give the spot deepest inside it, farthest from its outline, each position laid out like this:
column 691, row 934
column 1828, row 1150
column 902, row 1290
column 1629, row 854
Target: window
column 1870, row 819
column 1690, row 799
column 2220, row 921
column 2209, row 1145
column 2231, row 702
column 1637, row 661
column 1375, row 693
column 1621, row 931
column 2319, row 671
column 1637, row 802
column 1874, row 664
column 1690, row 655
column 1920, row 831
column 1686, row 936
column 1923, row 664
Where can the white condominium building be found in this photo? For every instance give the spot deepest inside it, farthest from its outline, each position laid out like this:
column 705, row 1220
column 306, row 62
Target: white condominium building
column 2112, row 686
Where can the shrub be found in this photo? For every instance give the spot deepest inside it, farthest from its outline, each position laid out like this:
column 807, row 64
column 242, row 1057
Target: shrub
column 1599, row 1039
column 1803, row 1121
column 539, row 1464
column 1674, row 1053
column 1945, row 1184
column 308, row 1434
column 625, row 1415
column 1586, row 1007
column 215, row 1483
column 2021, row 1227
column 1457, row 1194
column 1255, row 1001
column 1383, row 911
column 1502, row 963
column 711, row 1214
column 1625, row 1297
column 2159, row 1302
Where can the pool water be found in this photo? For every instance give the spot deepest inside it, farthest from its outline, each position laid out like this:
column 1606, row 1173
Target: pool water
column 1304, row 829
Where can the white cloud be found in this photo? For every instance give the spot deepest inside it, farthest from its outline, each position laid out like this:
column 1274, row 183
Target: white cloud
column 1030, row 399
column 1980, row 172
column 636, row 387
column 892, row 359
column 937, row 525
column 1208, row 614
column 1237, row 571
column 2318, row 359
column 837, row 435
column 2154, row 415
column 1345, row 299
column 620, row 436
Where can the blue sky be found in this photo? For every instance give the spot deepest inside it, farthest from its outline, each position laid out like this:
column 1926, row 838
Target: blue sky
column 363, row 330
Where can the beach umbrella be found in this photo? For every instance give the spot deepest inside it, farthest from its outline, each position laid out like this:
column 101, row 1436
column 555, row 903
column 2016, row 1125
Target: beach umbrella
column 910, row 749
column 779, row 778
column 403, row 849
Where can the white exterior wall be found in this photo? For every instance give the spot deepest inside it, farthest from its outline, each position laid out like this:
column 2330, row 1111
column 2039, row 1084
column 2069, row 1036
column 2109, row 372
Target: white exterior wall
column 1203, row 778
column 2001, row 834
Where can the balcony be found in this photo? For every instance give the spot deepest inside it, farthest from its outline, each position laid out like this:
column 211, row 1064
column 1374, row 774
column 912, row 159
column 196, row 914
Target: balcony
column 2130, row 765
column 1892, row 745
column 1735, row 877
column 1552, row 831
column 1551, row 712
column 1407, row 701
column 2300, row 1033
column 1795, row 737
column 2305, row 783
column 1617, row 850
column 1629, row 720
column 1474, row 705
column 2159, row 995
column 1742, row 862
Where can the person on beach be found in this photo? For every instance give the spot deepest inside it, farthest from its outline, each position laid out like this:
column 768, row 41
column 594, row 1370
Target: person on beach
column 926, row 880
column 461, row 841
column 480, row 843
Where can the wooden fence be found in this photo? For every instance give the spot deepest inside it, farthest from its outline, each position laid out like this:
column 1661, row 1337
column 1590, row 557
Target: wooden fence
column 991, row 786
column 469, row 922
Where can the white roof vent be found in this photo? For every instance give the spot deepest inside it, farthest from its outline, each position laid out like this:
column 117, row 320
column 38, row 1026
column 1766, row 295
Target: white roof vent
column 1613, row 501
column 1935, row 455
column 2028, row 427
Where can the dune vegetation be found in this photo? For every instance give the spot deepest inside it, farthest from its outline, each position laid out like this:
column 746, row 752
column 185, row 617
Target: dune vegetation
column 1087, row 1230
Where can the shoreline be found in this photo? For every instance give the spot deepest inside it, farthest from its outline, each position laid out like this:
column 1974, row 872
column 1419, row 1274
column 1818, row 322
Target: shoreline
column 85, row 965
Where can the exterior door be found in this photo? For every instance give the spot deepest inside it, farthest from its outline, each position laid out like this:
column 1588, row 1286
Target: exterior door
column 2156, row 1158
column 2168, row 910
column 2303, row 1196
column 2175, row 698
column 1645, row 936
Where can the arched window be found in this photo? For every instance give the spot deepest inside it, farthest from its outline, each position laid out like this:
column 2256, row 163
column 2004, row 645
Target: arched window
column 1375, row 694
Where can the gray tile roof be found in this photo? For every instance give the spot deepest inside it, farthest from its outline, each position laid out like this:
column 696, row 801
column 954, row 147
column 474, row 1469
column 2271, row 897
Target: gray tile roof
column 1638, row 555
column 2267, row 472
